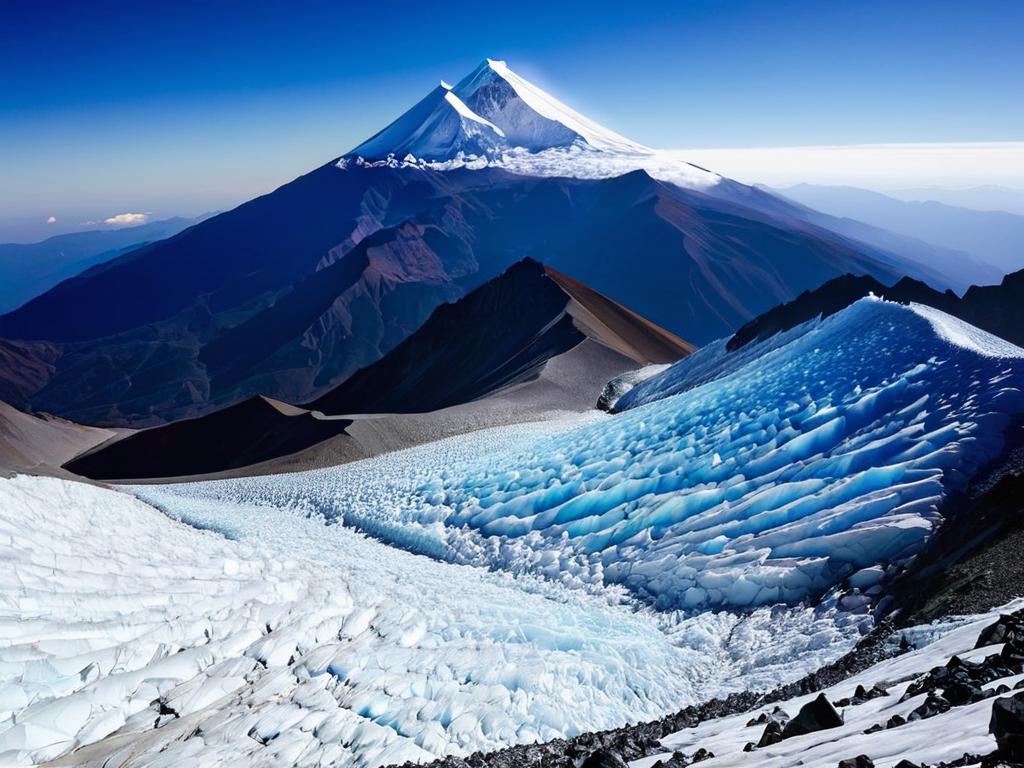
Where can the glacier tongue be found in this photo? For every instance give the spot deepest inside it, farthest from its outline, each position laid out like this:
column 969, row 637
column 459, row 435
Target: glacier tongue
column 814, row 459
column 822, row 453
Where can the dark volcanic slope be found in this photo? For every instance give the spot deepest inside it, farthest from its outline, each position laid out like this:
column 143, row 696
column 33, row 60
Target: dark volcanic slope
column 619, row 327
column 254, row 430
column 498, row 335
column 25, row 368
column 41, row 444
column 998, row 309
column 290, row 293
column 528, row 324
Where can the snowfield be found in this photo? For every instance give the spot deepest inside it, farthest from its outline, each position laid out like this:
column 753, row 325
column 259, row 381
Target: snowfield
column 130, row 639
column 812, row 460
column 943, row 738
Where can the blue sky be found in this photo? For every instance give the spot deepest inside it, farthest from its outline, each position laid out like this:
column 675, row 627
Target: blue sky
column 107, row 108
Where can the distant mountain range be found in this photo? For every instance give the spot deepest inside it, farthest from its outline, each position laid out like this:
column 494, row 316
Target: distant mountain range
column 984, row 197
column 289, row 294
column 27, row 270
column 995, row 238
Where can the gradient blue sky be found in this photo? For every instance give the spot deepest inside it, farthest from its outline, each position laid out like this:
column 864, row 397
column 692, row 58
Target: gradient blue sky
column 180, row 108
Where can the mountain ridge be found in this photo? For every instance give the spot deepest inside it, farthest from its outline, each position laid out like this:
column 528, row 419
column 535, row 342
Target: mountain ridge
column 501, row 335
column 990, row 237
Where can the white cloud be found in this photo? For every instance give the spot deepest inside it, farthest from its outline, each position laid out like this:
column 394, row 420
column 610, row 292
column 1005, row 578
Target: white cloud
column 872, row 165
column 123, row 219
column 51, row 220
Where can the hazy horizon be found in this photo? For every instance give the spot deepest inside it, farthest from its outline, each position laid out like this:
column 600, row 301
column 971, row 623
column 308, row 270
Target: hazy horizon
column 889, row 169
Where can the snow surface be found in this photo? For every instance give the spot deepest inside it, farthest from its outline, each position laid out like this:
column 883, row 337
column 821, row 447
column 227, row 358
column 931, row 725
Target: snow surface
column 942, row 738
column 963, row 334
column 495, row 118
column 714, row 360
column 769, row 475
column 438, row 126
column 263, row 636
column 530, row 117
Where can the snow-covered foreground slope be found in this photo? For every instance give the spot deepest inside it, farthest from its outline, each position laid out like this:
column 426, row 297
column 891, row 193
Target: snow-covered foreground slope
column 128, row 638
column 944, row 737
column 816, row 459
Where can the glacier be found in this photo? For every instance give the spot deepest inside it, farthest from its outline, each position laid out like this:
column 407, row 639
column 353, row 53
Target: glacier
column 816, row 459
column 260, row 636
column 728, row 530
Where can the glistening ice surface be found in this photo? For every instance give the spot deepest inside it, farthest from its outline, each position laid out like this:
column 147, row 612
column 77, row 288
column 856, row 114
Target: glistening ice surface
column 740, row 479
column 130, row 639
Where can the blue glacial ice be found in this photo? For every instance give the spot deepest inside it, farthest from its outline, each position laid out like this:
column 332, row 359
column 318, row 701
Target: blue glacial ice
column 772, row 474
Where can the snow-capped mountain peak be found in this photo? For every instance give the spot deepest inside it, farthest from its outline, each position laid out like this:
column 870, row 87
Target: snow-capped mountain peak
column 494, row 117
column 489, row 111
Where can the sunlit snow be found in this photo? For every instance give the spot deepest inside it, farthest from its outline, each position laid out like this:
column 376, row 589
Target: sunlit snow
column 941, row 739
column 130, row 637
column 496, row 118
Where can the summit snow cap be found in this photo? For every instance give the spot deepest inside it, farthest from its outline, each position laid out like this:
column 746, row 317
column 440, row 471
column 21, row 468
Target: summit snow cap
column 490, row 111
column 438, row 127
column 530, row 117
column 495, row 118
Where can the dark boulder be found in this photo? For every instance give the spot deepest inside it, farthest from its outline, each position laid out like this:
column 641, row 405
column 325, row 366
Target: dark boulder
column 1013, row 653
column 933, row 705
column 1007, row 725
column 816, row 715
column 678, row 760
column 895, row 721
column 1006, row 629
column 860, row 761
column 862, row 694
column 701, row 755
column 959, row 693
column 772, row 734
column 603, row 759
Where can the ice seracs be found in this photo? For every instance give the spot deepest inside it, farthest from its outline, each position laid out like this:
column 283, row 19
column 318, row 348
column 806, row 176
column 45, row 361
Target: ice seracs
column 128, row 638
column 816, row 458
